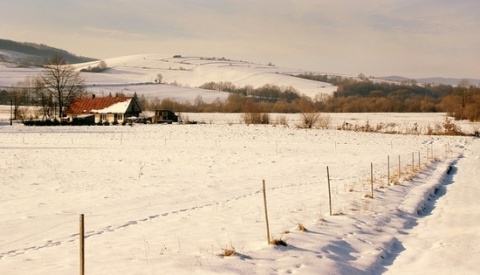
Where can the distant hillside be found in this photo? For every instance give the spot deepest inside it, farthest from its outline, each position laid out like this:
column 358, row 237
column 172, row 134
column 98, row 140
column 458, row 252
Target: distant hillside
column 31, row 54
column 435, row 80
column 140, row 71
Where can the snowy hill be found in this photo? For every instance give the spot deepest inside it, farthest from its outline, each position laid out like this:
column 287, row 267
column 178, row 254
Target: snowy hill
column 181, row 76
column 139, row 72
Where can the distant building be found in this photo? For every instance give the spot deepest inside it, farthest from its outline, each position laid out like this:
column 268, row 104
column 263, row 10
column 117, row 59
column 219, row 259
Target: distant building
column 164, row 116
column 95, row 110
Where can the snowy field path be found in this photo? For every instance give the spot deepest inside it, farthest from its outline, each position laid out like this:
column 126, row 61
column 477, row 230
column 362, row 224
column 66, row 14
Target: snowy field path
column 446, row 240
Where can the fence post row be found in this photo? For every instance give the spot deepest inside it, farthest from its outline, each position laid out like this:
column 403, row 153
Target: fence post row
column 82, row 224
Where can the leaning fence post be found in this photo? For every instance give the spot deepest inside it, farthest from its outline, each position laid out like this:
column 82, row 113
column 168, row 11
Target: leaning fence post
column 82, row 245
column 266, row 214
column 329, row 192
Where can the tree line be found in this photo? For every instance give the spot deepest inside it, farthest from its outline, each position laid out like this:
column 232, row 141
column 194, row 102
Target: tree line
column 352, row 95
column 364, row 95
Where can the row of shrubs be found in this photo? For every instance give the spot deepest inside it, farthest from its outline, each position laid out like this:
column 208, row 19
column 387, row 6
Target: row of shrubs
column 320, row 121
column 56, row 122
column 47, row 122
column 308, row 120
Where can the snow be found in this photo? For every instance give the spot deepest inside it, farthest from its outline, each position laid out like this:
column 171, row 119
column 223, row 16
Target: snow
column 181, row 77
column 445, row 241
column 170, row 198
column 119, row 107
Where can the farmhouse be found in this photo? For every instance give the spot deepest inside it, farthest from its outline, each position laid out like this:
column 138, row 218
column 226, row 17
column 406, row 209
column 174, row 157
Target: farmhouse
column 103, row 110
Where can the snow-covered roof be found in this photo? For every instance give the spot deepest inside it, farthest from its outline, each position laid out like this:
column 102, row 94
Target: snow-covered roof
column 119, row 107
column 99, row 105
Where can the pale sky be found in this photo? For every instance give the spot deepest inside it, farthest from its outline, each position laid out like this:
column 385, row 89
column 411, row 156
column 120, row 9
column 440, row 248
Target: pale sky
column 422, row 38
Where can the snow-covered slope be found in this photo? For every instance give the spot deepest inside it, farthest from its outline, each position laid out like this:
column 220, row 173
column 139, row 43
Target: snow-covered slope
column 7, row 57
column 10, row 72
column 181, row 76
column 195, row 71
column 192, row 72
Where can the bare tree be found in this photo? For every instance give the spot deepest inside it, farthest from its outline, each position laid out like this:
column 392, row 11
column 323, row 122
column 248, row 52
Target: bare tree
column 235, row 103
column 63, row 82
column 463, row 95
column 18, row 95
column 309, row 120
column 43, row 97
column 159, row 79
column 362, row 77
column 102, row 65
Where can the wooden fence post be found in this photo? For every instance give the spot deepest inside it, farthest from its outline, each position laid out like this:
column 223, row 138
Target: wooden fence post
column 266, row 214
column 371, row 177
column 82, row 245
column 399, row 169
column 329, row 192
column 419, row 162
column 413, row 162
column 388, row 169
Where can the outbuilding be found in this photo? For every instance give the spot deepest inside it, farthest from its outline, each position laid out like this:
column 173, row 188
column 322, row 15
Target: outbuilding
column 164, row 116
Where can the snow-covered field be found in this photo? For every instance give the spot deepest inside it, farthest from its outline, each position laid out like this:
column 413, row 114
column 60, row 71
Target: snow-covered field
column 169, row 199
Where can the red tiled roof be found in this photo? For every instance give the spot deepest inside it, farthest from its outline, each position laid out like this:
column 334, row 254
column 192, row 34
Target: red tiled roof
column 86, row 105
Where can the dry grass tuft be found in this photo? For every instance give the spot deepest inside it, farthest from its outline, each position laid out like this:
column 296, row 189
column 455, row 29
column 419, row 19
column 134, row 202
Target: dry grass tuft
column 302, row 228
column 282, row 120
column 394, row 180
column 321, row 217
column 228, row 252
column 278, row 242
